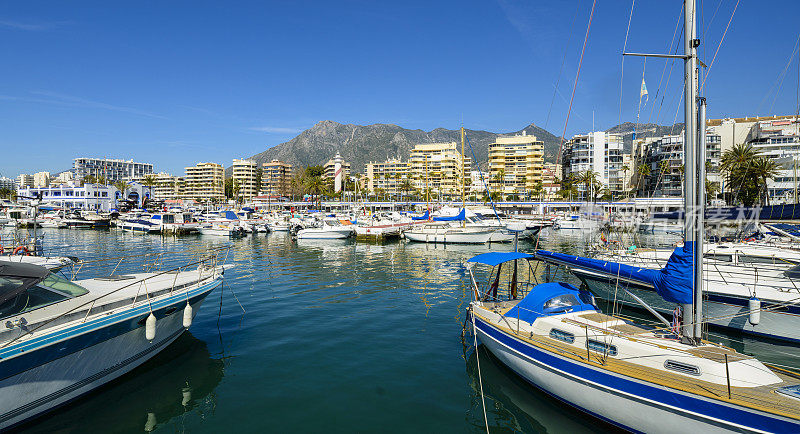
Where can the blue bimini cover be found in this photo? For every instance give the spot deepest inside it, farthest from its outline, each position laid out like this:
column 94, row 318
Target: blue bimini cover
column 673, row 282
column 425, row 216
column 550, row 299
column 496, row 258
column 461, row 216
column 230, row 215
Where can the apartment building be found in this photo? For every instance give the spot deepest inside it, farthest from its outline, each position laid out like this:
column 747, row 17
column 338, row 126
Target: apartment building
column 388, row 176
column 110, row 169
column 664, row 161
column 167, row 187
column 599, row 152
column 439, row 167
column 41, row 179
column 515, row 164
column 7, row 184
column 779, row 140
column 205, row 181
column 276, row 179
column 332, row 172
column 24, row 180
column 245, row 176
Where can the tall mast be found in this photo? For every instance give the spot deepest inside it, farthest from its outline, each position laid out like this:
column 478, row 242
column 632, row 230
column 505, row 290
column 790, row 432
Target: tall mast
column 463, row 180
column 693, row 204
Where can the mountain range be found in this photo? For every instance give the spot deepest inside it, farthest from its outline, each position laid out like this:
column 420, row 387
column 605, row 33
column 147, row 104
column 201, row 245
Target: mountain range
column 361, row 144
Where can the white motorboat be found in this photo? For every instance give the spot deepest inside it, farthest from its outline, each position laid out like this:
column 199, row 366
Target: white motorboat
column 63, row 339
column 141, row 223
column 220, row 229
column 447, row 233
column 330, row 229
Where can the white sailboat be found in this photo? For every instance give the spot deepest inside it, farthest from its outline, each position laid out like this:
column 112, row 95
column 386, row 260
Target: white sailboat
column 638, row 378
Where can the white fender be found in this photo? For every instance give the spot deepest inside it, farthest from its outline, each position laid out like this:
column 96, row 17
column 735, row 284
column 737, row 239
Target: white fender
column 755, row 311
column 187, row 315
column 150, row 327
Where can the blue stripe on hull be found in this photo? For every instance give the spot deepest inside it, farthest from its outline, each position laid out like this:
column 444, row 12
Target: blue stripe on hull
column 78, row 338
column 656, row 396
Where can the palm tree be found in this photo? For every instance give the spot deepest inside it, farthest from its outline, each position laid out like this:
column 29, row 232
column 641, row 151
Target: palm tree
column 589, row 180
column 316, row 186
column 625, row 170
column 764, row 169
column 642, row 171
column 746, row 172
column 5, row 193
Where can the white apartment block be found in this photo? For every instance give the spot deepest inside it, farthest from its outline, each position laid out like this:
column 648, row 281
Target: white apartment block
column 599, row 152
column 41, row 179
column 388, row 176
column 204, row 182
column 439, row 167
column 779, row 140
column 515, row 164
column 245, row 176
column 110, row 169
column 276, row 179
column 24, row 180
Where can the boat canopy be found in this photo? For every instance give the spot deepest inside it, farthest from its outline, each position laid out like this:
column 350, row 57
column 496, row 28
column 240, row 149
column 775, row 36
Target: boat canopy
column 459, row 217
column 425, row 216
column 673, row 282
column 17, row 277
column 497, row 258
column 551, row 299
column 230, row 215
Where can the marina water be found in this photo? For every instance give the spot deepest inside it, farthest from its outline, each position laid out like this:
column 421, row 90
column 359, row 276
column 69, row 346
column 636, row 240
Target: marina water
column 324, row 336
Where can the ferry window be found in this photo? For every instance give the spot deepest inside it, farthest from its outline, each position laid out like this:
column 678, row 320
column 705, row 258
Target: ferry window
column 562, row 336
column 681, row 367
column 601, row 347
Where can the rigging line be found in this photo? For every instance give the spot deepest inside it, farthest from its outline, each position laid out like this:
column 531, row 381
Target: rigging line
column 575, row 85
column 563, row 60
column 669, row 76
column 708, row 70
column 622, row 62
column 661, row 80
column 786, row 70
column 766, row 95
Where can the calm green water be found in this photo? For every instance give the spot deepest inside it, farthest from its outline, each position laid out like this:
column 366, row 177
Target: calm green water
column 331, row 336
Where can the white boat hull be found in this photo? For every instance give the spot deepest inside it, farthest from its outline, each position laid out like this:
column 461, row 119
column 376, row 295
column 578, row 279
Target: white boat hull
column 449, row 237
column 318, row 234
column 40, row 389
column 590, row 390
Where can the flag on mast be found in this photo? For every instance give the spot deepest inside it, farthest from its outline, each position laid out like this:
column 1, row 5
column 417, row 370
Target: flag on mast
column 643, row 92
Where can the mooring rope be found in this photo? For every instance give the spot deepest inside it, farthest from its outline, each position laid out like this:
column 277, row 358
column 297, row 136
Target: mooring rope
column 480, row 381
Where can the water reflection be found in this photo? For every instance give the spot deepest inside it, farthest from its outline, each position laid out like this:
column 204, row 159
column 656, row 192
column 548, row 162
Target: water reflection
column 179, row 382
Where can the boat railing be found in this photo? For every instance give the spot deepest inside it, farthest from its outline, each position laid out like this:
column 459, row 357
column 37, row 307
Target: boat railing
column 209, row 262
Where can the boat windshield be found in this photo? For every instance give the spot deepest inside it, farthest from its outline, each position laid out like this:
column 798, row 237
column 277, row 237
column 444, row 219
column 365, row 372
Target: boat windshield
column 52, row 289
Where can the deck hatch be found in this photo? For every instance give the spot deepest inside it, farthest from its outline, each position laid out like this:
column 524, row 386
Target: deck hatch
column 683, row 368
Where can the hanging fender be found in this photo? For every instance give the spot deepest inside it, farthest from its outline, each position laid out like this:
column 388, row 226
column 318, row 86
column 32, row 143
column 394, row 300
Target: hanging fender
column 22, row 249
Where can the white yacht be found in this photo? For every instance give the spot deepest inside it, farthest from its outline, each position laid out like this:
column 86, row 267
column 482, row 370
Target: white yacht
column 330, row 229
column 63, row 338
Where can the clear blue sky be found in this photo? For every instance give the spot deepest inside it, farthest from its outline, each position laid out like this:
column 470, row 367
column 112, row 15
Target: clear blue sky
column 178, row 82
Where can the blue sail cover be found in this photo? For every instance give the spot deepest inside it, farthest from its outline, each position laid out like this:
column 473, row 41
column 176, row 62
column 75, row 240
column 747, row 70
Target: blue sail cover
column 533, row 305
column 673, row 282
column 425, row 216
column 461, row 216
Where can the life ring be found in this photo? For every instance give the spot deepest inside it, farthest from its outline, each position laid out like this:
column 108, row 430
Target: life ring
column 2, row 250
column 22, row 249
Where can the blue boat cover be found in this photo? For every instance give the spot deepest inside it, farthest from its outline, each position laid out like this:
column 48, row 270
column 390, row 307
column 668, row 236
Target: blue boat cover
column 248, row 209
column 461, row 216
column 673, row 282
column 496, row 258
column 425, row 216
column 230, row 215
column 533, row 305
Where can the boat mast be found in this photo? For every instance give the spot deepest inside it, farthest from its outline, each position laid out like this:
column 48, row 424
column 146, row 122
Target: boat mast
column 694, row 165
column 463, row 180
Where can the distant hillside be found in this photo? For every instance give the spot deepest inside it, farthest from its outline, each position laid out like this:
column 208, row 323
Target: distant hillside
column 360, row 144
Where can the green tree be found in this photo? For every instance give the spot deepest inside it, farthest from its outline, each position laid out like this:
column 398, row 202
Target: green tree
column 746, row 173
